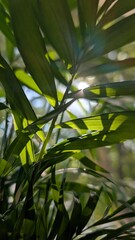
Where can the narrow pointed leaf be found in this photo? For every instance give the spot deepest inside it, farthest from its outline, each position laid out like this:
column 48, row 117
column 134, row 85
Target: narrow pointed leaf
column 31, row 46
column 113, row 128
column 85, row 69
column 88, row 15
column 119, row 231
column 27, row 80
column 75, row 216
column 103, row 9
column 116, row 89
column 4, row 26
column 104, row 122
column 117, row 10
column 57, row 25
column 91, row 165
column 107, row 40
column 88, row 211
column 14, row 93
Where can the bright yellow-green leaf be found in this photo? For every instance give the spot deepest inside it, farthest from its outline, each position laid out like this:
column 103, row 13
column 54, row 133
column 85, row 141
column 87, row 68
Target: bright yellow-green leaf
column 105, row 122
column 116, row 89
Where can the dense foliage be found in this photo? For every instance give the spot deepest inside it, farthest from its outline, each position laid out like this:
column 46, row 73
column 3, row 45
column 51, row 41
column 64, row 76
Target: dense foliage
column 51, row 186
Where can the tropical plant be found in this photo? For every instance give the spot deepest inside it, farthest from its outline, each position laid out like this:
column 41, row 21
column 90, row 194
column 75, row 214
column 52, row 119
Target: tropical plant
column 50, row 185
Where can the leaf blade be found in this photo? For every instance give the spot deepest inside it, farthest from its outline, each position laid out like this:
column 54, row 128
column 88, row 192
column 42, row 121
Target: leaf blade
column 31, row 47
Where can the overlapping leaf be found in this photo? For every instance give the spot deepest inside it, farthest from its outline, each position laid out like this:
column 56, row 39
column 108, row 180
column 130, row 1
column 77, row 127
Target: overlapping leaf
column 4, row 25
column 31, row 46
column 57, row 25
column 117, row 10
column 88, row 69
column 116, row 89
column 14, row 93
column 113, row 128
column 104, row 41
column 105, row 122
column 87, row 10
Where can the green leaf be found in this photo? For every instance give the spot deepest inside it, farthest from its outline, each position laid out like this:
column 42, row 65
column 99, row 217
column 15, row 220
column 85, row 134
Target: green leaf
column 127, row 35
column 87, row 15
column 57, row 24
column 105, row 122
column 31, row 46
column 108, row 40
column 93, row 235
column 88, row 211
column 27, row 80
column 118, row 213
column 113, row 128
column 4, row 166
column 104, row 8
column 26, row 134
column 117, row 10
column 14, row 93
column 92, row 165
column 4, row 24
column 75, row 216
column 86, row 69
column 116, row 89
column 119, row 231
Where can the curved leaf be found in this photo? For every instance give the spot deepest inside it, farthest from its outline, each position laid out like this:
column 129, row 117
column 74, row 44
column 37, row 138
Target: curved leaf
column 113, row 128
column 88, row 210
column 105, row 122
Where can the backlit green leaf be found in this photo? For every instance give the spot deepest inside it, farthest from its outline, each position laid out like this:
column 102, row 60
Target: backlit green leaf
column 116, row 89
column 105, row 122
column 113, row 128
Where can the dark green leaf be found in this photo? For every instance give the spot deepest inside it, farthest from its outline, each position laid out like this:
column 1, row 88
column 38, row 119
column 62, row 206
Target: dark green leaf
column 3, row 106
column 15, row 94
column 88, row 211
column 4, row 25
column 103, row 9
column 107, row 40
column 32, row 46
column 86, row 69
column 119, row 231
column 57, row 25
column 117, row 10
column 75, row 216
column 87, row 15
